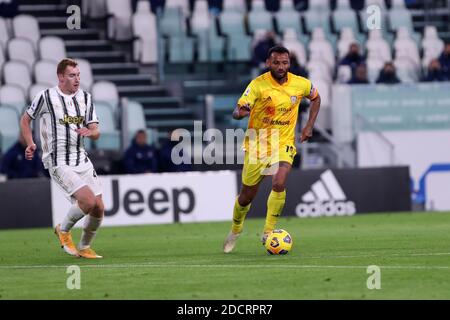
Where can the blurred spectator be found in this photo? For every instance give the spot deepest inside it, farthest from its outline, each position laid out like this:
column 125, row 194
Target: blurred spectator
column 435, row 72
column 444, row 60
column 140, row 157
column 155, row 5
column 262, row 48
column 360, row 76
column 296, row 68
column 8, row 8
column 15, row 166
column 353, row 58
column 165, row 155
column 388, row 74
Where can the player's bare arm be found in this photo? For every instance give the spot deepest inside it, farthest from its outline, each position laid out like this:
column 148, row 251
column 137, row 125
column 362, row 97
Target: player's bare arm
column 91, row 131
column 241, row 112
column 25, row 129
column 313, row 112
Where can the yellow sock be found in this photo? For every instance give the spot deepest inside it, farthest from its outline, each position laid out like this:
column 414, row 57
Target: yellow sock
column 275, row 204
column 239, row 214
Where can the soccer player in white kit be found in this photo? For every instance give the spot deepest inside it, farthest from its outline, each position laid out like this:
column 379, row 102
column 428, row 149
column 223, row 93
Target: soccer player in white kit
column 66, row 117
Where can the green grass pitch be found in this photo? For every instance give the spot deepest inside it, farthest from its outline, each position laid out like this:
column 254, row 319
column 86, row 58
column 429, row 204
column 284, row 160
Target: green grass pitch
column 329, row 260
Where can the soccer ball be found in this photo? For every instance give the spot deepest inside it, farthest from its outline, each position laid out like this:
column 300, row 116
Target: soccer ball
column 279, row 241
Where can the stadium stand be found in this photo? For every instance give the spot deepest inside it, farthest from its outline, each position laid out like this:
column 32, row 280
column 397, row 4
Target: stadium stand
column 164, row 63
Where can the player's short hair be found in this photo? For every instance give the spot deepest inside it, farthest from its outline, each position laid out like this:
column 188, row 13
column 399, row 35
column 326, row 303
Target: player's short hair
column 62, row 65
column 277, row 49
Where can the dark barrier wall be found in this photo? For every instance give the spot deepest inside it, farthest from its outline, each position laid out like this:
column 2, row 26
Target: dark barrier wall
column 25, row 203
column 339, row 192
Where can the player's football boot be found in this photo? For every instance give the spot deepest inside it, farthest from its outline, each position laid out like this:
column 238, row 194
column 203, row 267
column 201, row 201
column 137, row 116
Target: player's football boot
column 65, row 239
column 88, row 253
column 230, row 242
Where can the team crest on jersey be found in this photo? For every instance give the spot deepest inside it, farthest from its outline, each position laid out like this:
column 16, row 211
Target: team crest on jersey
column 293, row 99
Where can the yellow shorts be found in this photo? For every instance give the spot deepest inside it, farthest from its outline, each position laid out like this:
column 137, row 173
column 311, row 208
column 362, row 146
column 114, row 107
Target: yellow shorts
column 254, row 171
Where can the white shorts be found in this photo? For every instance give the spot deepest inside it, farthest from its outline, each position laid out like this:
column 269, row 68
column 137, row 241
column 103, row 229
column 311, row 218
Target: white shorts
column 70, row 179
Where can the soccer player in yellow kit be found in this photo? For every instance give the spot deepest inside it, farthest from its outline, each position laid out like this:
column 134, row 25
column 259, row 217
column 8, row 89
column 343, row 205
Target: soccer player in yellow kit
column 271, row 100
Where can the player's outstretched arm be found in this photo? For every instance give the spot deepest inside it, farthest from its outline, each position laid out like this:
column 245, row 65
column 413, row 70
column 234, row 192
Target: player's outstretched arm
column 313, row 112
column 91, row 131
column 241, row 111
column 25, row 130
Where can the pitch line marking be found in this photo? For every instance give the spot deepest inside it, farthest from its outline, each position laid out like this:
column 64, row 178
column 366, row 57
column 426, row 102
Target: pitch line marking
column 221, row 266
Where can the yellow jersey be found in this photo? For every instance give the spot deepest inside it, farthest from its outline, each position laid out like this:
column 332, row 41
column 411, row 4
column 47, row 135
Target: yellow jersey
column 274, row 107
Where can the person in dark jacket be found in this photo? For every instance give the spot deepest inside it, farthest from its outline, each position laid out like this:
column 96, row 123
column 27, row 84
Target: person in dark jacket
column 165, row 155
column 360, row 76
column 444, row 60
column 15, row 166
column 353, row 58
column 388, row 74
column 140, row 157
column 434, row 72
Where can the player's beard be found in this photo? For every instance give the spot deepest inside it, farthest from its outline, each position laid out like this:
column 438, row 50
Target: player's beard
column 277, row 75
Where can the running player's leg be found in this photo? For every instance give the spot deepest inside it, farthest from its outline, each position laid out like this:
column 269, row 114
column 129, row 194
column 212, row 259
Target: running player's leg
column 277, row 197
column 91, row 225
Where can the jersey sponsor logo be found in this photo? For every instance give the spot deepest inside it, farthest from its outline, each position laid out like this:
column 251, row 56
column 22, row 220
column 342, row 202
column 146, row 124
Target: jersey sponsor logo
column 326, row 198
column 280, row 123
column 270, row 111
column 71, row 120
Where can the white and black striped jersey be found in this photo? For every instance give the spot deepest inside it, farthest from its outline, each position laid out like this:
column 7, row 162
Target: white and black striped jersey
column 59, row 115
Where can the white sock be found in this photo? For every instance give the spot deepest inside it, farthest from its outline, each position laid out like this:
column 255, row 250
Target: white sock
column 91, row 224
column 72, row 217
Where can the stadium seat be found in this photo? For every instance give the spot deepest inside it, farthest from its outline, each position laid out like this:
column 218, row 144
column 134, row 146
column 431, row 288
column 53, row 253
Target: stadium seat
column 318, row 70
column 2, row 62
column 324, row 89
column 288, row 18
column 181, row 4
column 181, row 49
column 35, row 89
column 344, row 74
column 106, row 93
column 4, row 34
column 52, row 49
column 172, row 22
column 13, row 96
column 290, row 41
column 346, row 18
column 17, row 73
column 9, row 127
column 259, row 17
column 345, row 40
column 119, row 20
column 378, row 48
column 26, row 26
column 110, row 137
column 321, row 49
column 21, row 49
column 136, row 120
column 239, row 48
column 374, row 66
column 319, row 5
column 432, row 45
column 406, row 69
column 405, row 46
column 401, row 17
column 145, row 45
column 398, row 4
column 234, row 5
column 86, row 76
column 319, row 20
column 94, row 8
column 45, row 72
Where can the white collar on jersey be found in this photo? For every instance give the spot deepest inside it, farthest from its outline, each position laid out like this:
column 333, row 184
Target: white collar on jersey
column 64, row 94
